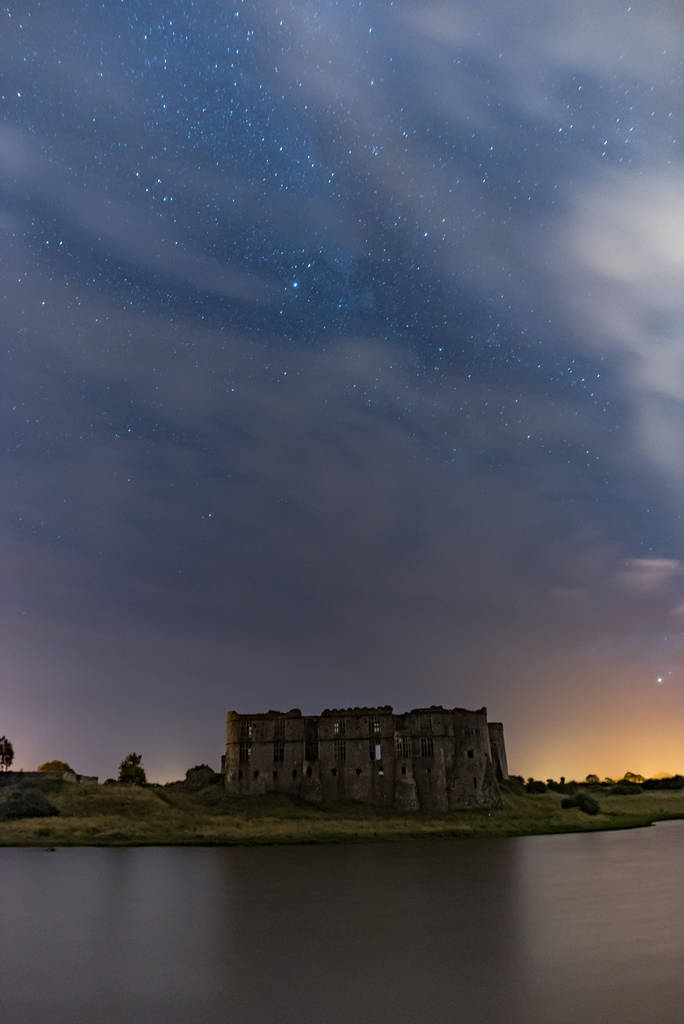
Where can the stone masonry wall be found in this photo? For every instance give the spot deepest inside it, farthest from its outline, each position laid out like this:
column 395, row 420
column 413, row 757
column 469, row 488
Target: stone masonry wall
column 9, row 778
column 498, row 748
column 428, row 758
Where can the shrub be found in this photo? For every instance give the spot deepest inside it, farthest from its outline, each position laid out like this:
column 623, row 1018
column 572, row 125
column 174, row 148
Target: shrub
column 557, row 787
column 535, row 786
column 200, row 776
column 583, row 802
column 512, row 784
column 26, row 803
column 56, row 766
column 587, row 803
column 625, row 789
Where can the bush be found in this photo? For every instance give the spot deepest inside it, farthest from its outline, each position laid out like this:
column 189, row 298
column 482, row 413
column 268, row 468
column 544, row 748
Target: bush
column 26, row 803
column 587, row 803
column 583, row 802
column 625, row 789
column 200, row 776
column 513, row 784
column 535, row 786
column 56, row 766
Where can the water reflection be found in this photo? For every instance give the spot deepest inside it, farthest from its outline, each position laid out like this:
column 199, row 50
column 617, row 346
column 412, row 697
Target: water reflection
column 556, row 928
column 602, row 924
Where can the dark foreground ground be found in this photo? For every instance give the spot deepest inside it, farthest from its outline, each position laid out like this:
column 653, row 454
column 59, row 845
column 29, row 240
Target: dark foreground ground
column 111, row 815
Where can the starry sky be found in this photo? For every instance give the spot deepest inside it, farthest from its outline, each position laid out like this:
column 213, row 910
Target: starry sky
column 342, row 363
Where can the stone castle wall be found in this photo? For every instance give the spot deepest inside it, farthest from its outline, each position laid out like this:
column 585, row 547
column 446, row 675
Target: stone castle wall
column 498, row 748
column 9, row 778
column 429, row 758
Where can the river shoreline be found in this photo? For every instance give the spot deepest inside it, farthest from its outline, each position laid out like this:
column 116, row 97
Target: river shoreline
column 98, row 815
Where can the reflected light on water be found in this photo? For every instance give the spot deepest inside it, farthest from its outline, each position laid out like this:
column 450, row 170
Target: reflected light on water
column 567, row 928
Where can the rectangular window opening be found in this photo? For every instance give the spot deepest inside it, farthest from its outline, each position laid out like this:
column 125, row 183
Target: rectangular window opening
column 311, row 741
column 246, row 729
column 426, row 746
column 340, row 750
column 278, row 740
column 404, row 746
column 374, row 739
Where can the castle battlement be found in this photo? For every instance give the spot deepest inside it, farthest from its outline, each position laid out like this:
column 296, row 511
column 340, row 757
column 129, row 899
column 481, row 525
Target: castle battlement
column 428, row 758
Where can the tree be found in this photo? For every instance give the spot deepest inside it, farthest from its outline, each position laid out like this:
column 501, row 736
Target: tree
column 633, row 777
column 592, row 780
column 131, row 771
column 6, row 753
column 56, row 766
column 200, row 776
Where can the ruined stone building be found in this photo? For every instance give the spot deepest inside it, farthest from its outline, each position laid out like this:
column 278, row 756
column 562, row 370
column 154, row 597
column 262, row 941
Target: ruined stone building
column 429, row 758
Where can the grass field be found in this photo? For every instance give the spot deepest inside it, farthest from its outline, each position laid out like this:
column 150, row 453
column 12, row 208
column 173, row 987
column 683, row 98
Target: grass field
column 94, row 815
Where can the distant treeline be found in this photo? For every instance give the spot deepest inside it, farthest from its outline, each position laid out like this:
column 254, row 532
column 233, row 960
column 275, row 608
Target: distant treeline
column 674, row 782
column 629, row 783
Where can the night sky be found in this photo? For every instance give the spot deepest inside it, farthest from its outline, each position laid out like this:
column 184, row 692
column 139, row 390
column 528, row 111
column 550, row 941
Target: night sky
column 342, row 363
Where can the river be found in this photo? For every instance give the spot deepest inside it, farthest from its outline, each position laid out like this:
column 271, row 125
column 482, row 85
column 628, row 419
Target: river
column 560, row 929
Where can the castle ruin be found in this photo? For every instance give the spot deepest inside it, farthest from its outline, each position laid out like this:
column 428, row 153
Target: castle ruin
column 426, row 759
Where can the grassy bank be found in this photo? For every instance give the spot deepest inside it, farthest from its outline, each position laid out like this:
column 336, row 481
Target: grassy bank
column 93, row 815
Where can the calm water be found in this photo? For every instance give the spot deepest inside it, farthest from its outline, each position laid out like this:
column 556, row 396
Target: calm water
column 552, row 929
